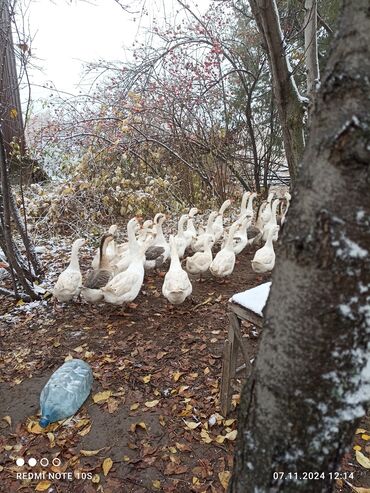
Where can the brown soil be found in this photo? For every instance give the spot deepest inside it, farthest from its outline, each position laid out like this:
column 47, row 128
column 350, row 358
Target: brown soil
column 150, row 352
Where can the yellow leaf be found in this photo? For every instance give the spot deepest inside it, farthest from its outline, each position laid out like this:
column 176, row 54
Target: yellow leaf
column 192, row 425
column 107, row 465
column 96, row 478
column 362, row 459
column 220, row 439
column 147, row 378
column 151, row 403
column 126, row 458
column 229, row 422
column 135, row 406
column 34, row 427
column 51, row 438
column 102, row 396
column 8, row 419
column 13, row 114
column 90, row 453
column 156, row 484
column 43, row 485
column 365, row 437
column 173, row 450
column 357, row 447
column 140, row 425
column 224, row 477
column 85, row 431
column 205, row 436
column 69, row 357
column 231, row 435
column 195, row 480
column 360, row 430
column 78, row 349
column 177, row 375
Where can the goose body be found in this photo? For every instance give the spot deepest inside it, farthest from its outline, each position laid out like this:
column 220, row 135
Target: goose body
column 272, row 222
column 266, row 212
column 159, row 251
column 69, row 281
column 97, row 278
column 288, row 198
column 190, row 233
column 125, row 286
column 125, row 258
column 111, row 249
column 200, row 261
column 198, row 245
column 218, row 225
column 264, row 258
column 180, row 239
column 224, row 262
column 176, row 285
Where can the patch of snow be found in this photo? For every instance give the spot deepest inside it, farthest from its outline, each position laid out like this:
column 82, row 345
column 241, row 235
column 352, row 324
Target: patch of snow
column 349, row 248
column 253, row 299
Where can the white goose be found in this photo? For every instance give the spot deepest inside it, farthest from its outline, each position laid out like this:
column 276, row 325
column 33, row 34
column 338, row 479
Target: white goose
column 288, row 198
column 198, row 245
column 224, row 262
column 111, row 250
column 180, row 238
column 190, row 233
column 145, row 231
column 218, row 225
column 200, row 261
column 243, row 205
column 176, row 285
column 159, row 251
column 271, row 222
column 97, row 278
column 264, row 258
column 69, row 281
column 125, row 286
column 249, row 211
column 266, row 212
column 125, row 258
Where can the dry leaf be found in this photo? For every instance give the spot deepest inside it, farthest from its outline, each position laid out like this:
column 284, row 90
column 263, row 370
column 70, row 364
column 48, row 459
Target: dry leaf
column 140, row 425
column 360, row 430
column 96, row 478
column 356, row 447
column 231, row 435
column 205, row 436
column 365, row 437
column 224, row 477
column 90, row 453
column 43, row 485
column 359, row 490
column 362, row 459
column 147, row 378
column 192, row 425
column 151, row 403
column 112, row 405
column 177, row 375
column 107, row 465
column 156, row 484
column 102, row 396
column 8, row 419
column 229, row 422
column 85, row 431
column 135, row 406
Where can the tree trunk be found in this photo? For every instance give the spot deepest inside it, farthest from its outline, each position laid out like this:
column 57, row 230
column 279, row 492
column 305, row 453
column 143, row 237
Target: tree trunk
column 310, row 47
column 310, row 385
column 289, row 103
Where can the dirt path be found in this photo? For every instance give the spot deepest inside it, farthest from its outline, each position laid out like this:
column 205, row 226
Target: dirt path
column 159, row 370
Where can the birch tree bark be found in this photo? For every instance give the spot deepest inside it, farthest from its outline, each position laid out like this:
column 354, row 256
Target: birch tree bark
column 310, row 385
column 288, row 100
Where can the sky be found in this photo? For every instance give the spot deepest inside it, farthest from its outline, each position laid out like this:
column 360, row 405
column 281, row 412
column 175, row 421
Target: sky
column 67, row 33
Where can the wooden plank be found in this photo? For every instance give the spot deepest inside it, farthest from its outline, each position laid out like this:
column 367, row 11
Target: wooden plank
column 225, row 403
column 235, row 324
column 246, row 314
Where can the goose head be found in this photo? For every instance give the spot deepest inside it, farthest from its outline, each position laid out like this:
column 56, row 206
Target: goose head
column 224, row 206
column 113, row 229
column 78, row 243
column 193, row 211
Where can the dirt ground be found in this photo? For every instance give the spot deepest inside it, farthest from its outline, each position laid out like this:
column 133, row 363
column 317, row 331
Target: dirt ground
column 157, row 373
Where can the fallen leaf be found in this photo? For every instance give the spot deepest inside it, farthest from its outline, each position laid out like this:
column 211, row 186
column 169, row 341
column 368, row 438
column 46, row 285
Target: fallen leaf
column 43, row 485
column 112, row 405
column 176, row 375
column 173, row 468
column 365, row 437
column 140, row 425
column 96, row 478
column 85, row 431
column 359, row 490
column 357, row 447
column 107, row 465
column 192, row 425
column 156, row 484
column 102, row 396
column 362, row 459
column 135, row 406
column 205, row 436
column 360, row 430
column 147, row 378
column 151, row 403
column 224, row 477
column 231, row 435
column 229, row 422
column 90, row 453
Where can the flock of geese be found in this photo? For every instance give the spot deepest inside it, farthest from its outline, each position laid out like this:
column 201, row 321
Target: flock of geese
column 117, row 270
